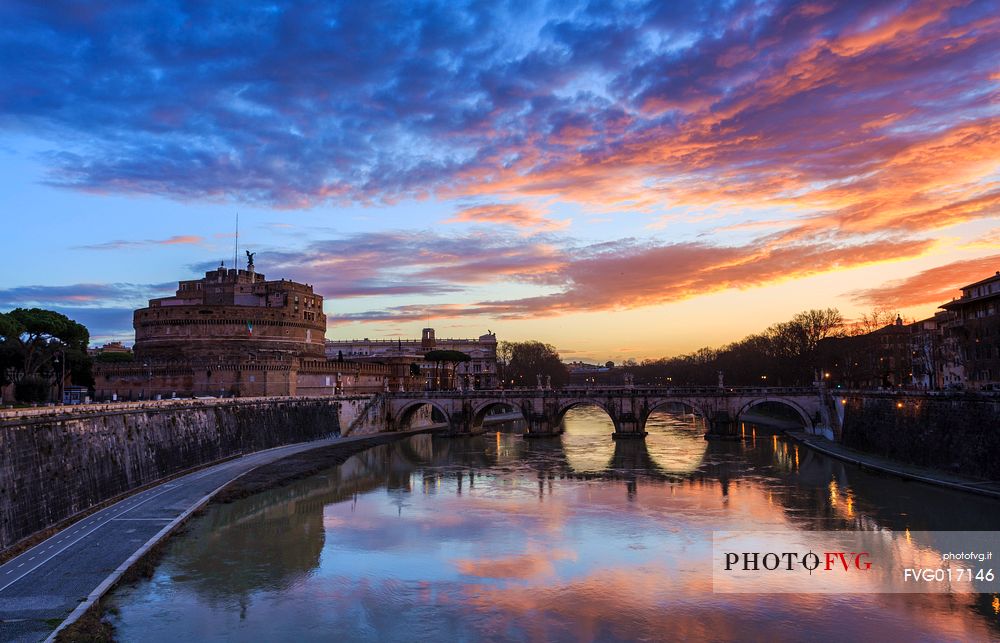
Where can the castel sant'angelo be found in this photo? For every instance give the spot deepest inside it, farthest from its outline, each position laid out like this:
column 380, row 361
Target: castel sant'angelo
column 234, row 332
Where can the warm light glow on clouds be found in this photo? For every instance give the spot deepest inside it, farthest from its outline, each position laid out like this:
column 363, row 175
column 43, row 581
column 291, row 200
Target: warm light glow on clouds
column 519, row 216
column 933, row 286
column 628, row 274
column 510, row 163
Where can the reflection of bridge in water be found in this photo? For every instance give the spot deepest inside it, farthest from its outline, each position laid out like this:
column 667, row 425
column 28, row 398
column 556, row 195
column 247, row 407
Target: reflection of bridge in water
column 628, row 407
column 277, row 537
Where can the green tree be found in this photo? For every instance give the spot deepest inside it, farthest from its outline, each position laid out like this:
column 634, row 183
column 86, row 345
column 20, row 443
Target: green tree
column 30, row 341
column 32, row 388
column 441, row 357
column 114, row 358
column 11, row 360
column 519, row 363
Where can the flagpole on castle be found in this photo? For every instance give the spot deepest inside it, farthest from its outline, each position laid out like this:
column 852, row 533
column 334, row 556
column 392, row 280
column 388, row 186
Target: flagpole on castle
column 236, row 244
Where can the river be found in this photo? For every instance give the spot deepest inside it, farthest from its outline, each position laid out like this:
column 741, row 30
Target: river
column 579, row 537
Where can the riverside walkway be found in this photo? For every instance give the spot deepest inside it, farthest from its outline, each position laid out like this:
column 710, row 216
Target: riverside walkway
column 57, row 580
column 874, row 462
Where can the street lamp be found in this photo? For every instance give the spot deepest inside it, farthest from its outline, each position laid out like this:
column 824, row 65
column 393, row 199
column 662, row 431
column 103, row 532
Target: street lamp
column 61, row 360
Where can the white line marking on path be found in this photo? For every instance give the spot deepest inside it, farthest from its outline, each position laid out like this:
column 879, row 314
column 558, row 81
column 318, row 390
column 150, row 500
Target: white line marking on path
column 69, row 545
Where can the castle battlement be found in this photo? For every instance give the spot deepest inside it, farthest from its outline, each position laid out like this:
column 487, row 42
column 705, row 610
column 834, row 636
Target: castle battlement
column 232, row 315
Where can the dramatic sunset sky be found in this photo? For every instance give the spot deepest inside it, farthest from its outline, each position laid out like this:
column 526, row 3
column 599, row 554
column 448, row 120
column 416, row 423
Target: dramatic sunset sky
column 620, row 179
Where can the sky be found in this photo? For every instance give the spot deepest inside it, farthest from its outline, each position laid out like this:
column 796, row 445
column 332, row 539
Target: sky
column 619, row 179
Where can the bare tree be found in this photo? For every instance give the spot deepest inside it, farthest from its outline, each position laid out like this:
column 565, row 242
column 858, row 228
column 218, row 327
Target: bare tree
column 879, row 317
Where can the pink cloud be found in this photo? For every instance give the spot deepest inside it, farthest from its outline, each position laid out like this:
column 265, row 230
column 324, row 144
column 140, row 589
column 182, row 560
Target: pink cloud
column 184, row 239
column 513, row 214
column 176, row 240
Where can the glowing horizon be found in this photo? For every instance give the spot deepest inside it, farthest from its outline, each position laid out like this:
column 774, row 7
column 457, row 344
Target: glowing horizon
column 635, row 181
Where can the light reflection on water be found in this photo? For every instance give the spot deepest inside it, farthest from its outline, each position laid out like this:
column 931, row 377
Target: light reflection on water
column 573, row 538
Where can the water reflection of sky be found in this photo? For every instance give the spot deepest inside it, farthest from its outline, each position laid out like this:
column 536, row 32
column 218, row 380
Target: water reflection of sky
column 675, row 443
column 577, row 538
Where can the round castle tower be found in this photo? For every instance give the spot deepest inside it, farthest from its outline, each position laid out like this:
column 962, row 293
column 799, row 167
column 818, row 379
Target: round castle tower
column 232, row 316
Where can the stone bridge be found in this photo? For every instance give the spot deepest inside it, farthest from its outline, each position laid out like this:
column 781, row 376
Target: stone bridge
column 628, row 407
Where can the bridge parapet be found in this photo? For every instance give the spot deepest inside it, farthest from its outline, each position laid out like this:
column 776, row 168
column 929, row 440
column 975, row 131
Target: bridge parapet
column 628, row 407
column 591, row 391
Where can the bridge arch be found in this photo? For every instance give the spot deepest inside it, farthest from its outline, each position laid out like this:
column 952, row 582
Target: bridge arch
column 405, row 414
column 566, row 406
column 807, row 422
column 659, row 404
column 479, row 412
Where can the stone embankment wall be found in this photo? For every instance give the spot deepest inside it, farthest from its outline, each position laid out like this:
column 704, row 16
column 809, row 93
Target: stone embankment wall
column 956, row 433
column 54, row 466
column 362, row 415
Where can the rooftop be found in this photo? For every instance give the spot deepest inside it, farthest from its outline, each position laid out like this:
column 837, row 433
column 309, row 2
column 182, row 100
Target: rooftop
column 988, row 288
column 995, row 277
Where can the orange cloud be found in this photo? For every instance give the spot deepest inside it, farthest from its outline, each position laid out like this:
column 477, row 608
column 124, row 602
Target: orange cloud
column 517, row 215
column 621, row 276
column 615, row 280
column 843, row 130
column 934, row 286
